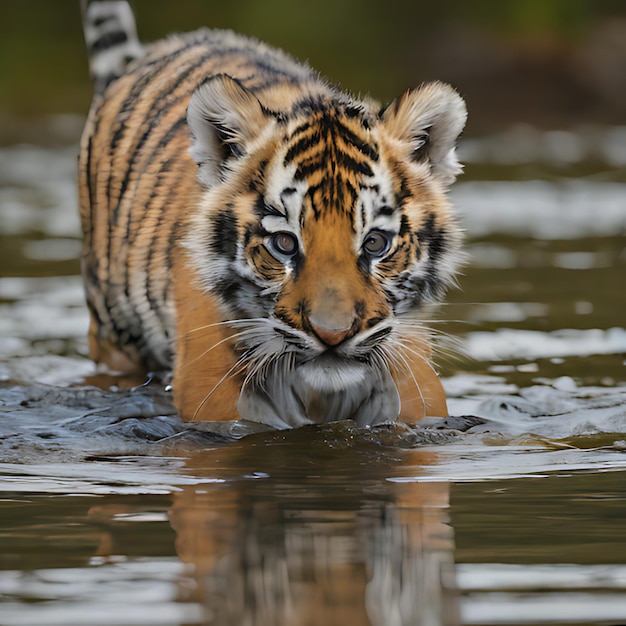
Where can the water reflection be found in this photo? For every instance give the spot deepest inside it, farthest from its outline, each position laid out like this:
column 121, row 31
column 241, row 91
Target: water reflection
column 296, row 529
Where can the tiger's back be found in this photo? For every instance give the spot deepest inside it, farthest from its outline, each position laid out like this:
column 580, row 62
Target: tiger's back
column 253, row 228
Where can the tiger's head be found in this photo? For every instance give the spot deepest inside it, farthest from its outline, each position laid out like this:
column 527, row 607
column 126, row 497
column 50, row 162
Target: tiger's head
column 323, row 230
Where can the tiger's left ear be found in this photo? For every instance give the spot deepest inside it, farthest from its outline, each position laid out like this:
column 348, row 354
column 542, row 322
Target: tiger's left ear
column 429, row 119
column 224, row 118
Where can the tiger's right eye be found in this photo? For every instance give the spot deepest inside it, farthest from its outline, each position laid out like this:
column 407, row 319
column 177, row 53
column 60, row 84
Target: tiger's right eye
column 284, row 243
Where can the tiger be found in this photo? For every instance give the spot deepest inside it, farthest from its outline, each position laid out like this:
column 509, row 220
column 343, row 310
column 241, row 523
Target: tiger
column 268, row 239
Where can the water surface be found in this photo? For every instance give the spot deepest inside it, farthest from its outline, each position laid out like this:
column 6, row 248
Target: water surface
column 115, row 512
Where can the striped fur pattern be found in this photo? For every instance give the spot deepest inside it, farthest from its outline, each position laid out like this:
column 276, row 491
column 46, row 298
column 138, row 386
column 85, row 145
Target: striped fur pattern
column 269, row 238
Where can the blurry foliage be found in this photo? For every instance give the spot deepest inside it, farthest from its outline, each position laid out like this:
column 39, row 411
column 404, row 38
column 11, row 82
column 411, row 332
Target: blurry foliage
column 562, row 17
column 368, row 46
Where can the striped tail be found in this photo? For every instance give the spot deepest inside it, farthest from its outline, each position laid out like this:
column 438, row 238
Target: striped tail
column 111, row 38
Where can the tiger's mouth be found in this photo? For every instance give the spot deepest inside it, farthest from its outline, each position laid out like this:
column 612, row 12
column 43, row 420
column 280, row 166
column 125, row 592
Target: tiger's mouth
column 327, row 387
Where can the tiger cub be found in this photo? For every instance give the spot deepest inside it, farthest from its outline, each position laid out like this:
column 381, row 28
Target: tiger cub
column 268, row 238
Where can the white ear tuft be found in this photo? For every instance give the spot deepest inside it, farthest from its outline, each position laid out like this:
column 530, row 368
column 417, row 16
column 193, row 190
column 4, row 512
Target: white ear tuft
column 429, row 119
column 224, row 118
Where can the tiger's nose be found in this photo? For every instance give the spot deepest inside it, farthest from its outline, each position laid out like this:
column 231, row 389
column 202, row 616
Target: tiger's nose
column 331, row 336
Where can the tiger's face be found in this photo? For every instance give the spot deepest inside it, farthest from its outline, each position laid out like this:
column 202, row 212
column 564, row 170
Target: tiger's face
column 321, row 229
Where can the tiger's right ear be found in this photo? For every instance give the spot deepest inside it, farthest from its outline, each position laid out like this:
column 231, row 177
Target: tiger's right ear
column 224, row 118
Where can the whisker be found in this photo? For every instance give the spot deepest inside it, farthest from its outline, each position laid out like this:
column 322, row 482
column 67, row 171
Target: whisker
column 215, row 345
column 412, row 376
column 254, row 370
column 391, row 360
column 233, row 371
column 423, row 357
column 427, row 322
column 245, row 321
column 437, row 337
column 452, row 352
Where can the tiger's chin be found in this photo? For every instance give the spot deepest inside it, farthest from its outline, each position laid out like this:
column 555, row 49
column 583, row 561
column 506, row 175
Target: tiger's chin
column 325, row 389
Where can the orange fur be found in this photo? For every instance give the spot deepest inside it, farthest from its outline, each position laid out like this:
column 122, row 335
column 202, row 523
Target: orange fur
column 203, row 389
column 157, row 228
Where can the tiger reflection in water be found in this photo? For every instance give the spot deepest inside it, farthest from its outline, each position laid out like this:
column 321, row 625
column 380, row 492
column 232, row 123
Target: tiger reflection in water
column 284, row 547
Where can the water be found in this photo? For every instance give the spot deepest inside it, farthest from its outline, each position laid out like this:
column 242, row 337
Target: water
column 115, row 512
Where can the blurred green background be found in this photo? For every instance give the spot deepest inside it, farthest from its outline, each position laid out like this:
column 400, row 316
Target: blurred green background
column 550, row 63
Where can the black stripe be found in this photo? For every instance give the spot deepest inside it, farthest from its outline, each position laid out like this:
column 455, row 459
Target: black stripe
column 157, row 189
column 225, row 235
column 108, row 40
column 334, row 128
column 172, row 239
column 305, row 126
column 157, row 192
column 354, row 140
column 349, row 162
column 405, row 226
column 92, row 174
column 308, row 168
column 389, row 263
column 375, row 338
column 121, row 327
column 156, row 66
column 154, row 118
column 268, row 81
column 386, row 211
column 154, row 303
column 329, row 190
column 258, row 178
column 310, row 105
column 121, row 117
column 302, row 145
column 433, row 236
column 227, row 289
column 321, row 161
column 134, row 93
column 357, row 111
column 99, row 21
column 90, row 185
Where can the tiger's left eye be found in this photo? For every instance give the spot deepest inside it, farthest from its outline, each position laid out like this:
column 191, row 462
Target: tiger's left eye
column 377, row 243
column 285, row 243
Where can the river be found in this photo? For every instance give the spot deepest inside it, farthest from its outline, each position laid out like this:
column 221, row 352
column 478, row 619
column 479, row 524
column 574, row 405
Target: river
column 510, row 512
